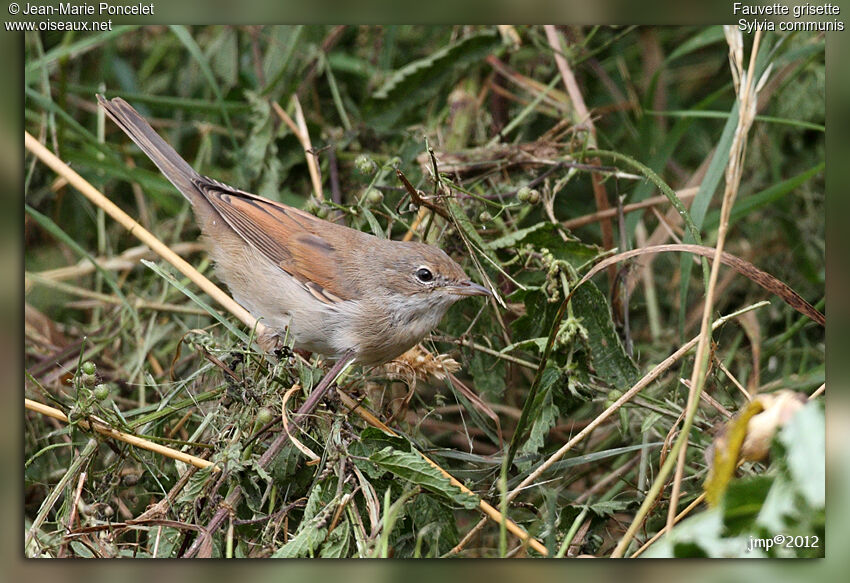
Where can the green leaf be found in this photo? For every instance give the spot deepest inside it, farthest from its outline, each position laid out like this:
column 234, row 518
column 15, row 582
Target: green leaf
column 537, row 397
column 421, row 80
column 589, row 458
column 76, row 49
column 609, row 358
column 336, row 545
column 195, row 486
column 699, row 206
column 302, row 544
column 743, row 501
column 373, row 223
column 371, row 440
column 704, row 38
column 489, row 374
column 779, row 506
column 222, row 53
column 515, row 237
column 261, row 155
column 702, row 536
column 311, row 530
column 374, row 439
column 434, row 525
column 282, row 43
column 608, row 507
column 412, row 467
column 544, row 420
column 539, row 313
column 804, row 439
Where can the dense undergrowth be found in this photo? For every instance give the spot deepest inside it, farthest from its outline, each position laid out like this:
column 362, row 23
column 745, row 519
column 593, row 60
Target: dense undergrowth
column 516, row 184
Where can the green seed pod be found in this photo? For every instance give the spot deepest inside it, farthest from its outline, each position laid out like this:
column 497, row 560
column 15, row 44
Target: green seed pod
column 101, row 392
column 264, row 416
column 88, row 368
column 322, row 212
column 88, row 380
column 612, row 397
column 534, row 196
column 523, row 194
column 485, row 217
column 374, row 196
column 365, row 165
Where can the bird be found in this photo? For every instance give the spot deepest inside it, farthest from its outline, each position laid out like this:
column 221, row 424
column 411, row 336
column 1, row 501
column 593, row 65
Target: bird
column 336, row 291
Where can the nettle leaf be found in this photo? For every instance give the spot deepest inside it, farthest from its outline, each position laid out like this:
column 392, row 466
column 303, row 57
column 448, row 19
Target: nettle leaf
column 260, row 147
column 302, row 544
column 378, row 439
column 222, row 53
column 423, row 79
column 539, row 344
column 286, row 464
column 544, row 419
column 702, row 536
column 371, row 440
column 539, row 313
column 780, row 508
column 195, row 486
column 743, row 501
column 336, row 546
column 547, row 236
column 412, row 467
column 610, row 361
column 311, row 531
column 514, row 238
column 489, row 374
column 434, row 525
column 804, row 439
column 536, row 400
column 279, row 68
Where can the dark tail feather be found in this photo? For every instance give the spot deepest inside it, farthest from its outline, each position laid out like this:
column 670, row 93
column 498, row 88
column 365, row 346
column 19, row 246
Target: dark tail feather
column 175, row 168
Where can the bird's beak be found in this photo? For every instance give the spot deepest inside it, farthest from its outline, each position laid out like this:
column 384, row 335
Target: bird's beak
column 468, row 288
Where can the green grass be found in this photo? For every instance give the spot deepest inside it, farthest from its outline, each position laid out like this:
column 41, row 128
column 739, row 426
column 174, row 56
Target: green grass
column 542, row 369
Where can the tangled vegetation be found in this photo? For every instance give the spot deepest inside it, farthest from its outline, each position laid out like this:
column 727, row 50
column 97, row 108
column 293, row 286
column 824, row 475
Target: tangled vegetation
column 525, row 425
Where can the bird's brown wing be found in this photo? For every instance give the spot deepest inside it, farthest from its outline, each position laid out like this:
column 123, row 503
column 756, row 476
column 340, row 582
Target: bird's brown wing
column 289, row 237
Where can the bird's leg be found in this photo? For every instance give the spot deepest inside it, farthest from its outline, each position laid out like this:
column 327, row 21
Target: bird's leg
column 312, row 401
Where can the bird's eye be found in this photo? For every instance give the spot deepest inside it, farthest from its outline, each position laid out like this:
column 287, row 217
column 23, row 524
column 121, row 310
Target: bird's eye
column 424, row 275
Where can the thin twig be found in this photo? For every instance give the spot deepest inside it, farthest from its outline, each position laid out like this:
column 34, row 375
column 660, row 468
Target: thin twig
column 663, row 531
column 733, row 180
column 684, row 194
column 232, row 500
column 138, row 231
column 639, row 386
column 489, row 511
column 299, row 128
column 584, row 119
column 135, row 440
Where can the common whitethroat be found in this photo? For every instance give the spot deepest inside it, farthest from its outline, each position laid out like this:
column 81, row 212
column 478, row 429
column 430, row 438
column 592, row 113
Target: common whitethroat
column 341, row 292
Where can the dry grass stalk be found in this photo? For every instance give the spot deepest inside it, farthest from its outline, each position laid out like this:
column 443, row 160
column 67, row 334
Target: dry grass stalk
column 145, row 236
column 747, row 96
column 104, row 429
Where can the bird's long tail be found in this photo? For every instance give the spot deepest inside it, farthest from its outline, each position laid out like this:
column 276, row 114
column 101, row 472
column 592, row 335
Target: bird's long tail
column 175, row 168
